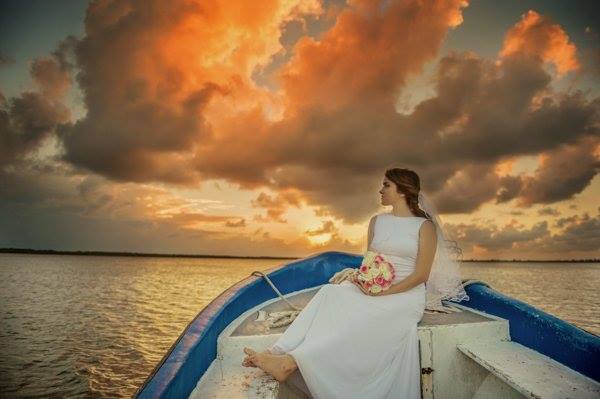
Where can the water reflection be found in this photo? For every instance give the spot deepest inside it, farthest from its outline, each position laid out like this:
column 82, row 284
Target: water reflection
column 97, row 326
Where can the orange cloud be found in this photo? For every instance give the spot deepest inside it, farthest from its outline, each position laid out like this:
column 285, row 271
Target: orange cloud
column 367, row 55
column 538, row 36
column 504, row 167
column 155, row 76
column 170, row 91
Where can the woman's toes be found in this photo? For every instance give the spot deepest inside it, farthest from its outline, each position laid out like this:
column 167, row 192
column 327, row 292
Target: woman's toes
column 248, row 362
column 278, row 366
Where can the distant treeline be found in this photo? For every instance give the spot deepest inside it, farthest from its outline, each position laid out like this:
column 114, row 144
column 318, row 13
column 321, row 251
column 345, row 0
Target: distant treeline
column 108, row 253
column 140, row 254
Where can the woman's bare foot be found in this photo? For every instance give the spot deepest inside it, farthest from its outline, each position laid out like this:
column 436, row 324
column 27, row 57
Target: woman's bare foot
column 247, row 362
column 279, row 366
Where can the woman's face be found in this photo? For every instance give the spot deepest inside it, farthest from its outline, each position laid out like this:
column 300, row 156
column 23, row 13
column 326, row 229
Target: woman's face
column 389, row 194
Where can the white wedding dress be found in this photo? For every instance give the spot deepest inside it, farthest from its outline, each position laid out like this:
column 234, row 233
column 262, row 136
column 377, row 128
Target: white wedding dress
column 351, row 345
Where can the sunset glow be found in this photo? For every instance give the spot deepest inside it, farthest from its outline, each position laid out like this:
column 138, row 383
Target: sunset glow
column 228, row 128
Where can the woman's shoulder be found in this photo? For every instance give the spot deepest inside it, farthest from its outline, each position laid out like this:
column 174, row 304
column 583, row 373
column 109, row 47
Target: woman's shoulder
column 427, row 224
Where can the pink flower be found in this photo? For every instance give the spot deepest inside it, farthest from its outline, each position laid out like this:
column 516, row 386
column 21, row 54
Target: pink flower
column 380, row 281
column 363, row 269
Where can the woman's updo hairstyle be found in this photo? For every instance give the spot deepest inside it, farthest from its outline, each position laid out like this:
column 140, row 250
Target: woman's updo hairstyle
column 408, row 183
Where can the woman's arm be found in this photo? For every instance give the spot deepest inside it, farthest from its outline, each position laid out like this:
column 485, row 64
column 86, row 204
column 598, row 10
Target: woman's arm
column 425, row 255
column 370, row 233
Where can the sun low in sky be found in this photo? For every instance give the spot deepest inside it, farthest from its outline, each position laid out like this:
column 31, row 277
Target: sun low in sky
column 264, row 128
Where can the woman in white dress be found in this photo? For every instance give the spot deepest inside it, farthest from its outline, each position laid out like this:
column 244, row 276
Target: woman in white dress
column 350, row 343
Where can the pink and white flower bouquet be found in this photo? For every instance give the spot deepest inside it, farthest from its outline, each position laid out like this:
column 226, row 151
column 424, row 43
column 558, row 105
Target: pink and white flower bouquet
column 375, row 273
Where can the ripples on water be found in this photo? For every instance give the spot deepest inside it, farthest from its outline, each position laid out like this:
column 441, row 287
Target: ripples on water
column 566, row 290
column 96, row 326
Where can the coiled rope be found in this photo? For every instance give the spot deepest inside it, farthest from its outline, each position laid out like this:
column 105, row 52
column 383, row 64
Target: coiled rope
column 277, row 319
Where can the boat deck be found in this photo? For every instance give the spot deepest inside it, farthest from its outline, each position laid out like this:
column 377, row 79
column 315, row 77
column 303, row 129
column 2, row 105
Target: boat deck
column 226, row 378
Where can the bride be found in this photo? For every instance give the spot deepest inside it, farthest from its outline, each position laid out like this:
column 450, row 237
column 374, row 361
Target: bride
column 350, row 343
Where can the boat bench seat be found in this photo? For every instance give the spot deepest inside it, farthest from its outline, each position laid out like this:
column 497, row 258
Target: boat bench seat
column 529, row 372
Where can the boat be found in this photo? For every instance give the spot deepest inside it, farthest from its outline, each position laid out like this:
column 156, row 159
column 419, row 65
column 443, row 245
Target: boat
column 491, row 346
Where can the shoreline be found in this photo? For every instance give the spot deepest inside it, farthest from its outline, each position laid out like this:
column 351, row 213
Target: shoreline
column 30, row 251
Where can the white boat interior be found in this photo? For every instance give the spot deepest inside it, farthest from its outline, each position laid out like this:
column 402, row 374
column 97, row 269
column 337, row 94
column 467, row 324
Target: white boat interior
column 464, row 354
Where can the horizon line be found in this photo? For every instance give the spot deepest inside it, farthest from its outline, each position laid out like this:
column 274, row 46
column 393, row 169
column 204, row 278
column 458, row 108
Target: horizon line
column 159, row 255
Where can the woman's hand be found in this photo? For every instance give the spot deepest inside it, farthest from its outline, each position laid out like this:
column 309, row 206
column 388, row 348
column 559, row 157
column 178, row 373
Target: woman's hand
column 357, row 283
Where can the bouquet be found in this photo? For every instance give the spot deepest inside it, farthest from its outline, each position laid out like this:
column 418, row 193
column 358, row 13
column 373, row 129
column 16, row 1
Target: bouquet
column 375, row 273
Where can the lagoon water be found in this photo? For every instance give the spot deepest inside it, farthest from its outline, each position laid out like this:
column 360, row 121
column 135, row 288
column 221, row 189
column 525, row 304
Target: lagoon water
column 95, row 326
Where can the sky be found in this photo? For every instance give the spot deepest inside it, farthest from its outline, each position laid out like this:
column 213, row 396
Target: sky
column 265, row 128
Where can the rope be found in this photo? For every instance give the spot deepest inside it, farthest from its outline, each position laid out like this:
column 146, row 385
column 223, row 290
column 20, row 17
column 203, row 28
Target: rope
column 282, row 318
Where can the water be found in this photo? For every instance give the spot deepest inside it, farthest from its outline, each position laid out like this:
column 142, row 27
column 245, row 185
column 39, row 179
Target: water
column 85, row 326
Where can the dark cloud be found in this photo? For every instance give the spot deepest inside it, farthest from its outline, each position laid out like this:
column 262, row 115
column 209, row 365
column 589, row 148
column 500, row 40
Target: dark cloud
column 52, row 75
column 565, row 221
column 510, row 186
column 328, row 227
column 579, row 234
column 25, row 121
column 29, row 186
column 5, row 60
column 548, row 212
column 484, row 111
column 471, row 186
column 335, row 239
column 276, row 205
column 125, row 143
column 96, row 214
column 563, row 172
column 493, row 238
column 240, row 223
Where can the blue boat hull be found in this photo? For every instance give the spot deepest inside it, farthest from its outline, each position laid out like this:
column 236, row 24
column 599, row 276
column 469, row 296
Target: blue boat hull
column 190, row 356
